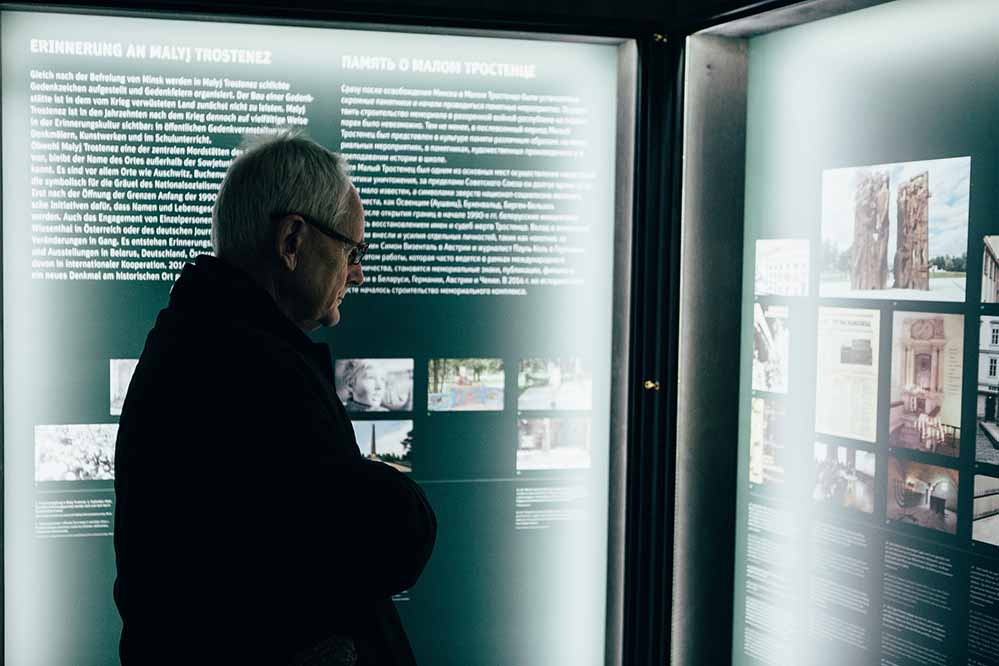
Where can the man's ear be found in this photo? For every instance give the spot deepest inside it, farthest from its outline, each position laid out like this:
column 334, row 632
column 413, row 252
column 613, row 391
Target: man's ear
column 289, row 241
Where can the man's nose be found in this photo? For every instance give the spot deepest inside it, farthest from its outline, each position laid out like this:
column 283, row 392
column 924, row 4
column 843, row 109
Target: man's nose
column 356, row 274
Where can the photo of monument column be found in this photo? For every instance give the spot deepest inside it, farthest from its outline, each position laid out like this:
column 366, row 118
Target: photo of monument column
column 896, row 231
column 927, row 355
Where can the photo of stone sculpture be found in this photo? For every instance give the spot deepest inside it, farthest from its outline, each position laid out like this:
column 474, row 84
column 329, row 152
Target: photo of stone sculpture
column 985, row 516
column 987, row 405
column 990, row 269
column 122, row 370
column 375, row 384
column 844, row 477
column 771, row 348
column 767, row 443
column 390, row 442
column 465, row 384
column 554, row 383
column 553, row 443
column 78, row 452
column 926, row 369
column 781, row 267
column 921, row 494
column 896, row 231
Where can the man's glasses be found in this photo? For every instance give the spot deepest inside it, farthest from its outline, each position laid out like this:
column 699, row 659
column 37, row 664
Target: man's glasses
column 357, row 250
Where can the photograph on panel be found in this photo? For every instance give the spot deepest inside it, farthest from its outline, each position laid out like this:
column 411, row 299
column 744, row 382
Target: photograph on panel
column 927, row 352
column 390, row 442
column 844, row 477
column 990, row 270
column 985, row 516
column 846, row 383
column 781, row 267
column 896, row 231
column 77, row 452
column 987, row 406
column 921, row 494
column 771, row 348
column 122, row 370
column 375, row 384
column 554, row 383
column 768, row 449
column 465, row 384
column 558, row 442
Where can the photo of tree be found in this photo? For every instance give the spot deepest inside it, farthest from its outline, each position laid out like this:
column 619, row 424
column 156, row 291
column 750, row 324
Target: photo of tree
column 465, row 384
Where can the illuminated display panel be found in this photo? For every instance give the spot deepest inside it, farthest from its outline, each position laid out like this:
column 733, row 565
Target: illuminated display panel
column 488, row 170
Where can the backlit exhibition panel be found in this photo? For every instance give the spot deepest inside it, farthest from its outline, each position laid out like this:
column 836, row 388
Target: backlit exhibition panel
column 867, row 520
column 477, row 356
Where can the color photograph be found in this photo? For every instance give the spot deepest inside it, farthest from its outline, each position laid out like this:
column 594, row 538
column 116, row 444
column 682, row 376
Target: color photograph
column 554, row 383
column 921, row 494
column 553, row 443
column 896, row 231
column 465, row 384
column 926, row 367
column 390, row 442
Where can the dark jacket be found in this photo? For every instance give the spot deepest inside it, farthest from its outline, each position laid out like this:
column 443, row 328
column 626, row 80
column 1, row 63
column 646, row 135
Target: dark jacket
column 247, row 525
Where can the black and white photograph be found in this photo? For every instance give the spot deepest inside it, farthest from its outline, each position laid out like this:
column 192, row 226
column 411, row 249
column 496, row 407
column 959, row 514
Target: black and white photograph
column 896, row 231
column 375, row 384
column 77, row 452
column 561, row 442
column 122, row 370
column 921, row 494
column 781, row 267
column 927, row 357
column 986, row 409
column 771, row 348
column 844, row 477
column 768, row 450
column 554, row 383
column 465, row 384
column 390, row 442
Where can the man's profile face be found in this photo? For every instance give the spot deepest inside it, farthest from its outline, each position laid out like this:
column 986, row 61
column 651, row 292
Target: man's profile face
column 326, row 273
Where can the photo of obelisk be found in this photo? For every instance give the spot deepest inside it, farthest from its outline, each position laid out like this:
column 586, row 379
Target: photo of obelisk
column 912, row 252
column 869, row 263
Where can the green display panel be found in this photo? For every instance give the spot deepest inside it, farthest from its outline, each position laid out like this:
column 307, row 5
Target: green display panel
column 476, row 356
column 869, row 448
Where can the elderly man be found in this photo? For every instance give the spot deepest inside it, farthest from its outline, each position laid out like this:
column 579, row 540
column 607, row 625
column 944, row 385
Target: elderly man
column 248, row 528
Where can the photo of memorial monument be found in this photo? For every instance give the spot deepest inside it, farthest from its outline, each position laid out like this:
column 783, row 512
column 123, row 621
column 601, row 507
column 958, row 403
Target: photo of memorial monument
column 986, row 407
column 465, row 384
column 844, row 477
column 781, row 267
column 122, row 370
column 767, row 443
column 390, row 442
column 561, row 442
column 375, row 384
column 554, row 383
column 78, row 452
column 896, row 231
column 921, row 494
column 927, row 356
column 771, row 348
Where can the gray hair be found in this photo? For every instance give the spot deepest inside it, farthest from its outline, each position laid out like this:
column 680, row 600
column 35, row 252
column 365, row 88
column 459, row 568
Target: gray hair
column 285, row 172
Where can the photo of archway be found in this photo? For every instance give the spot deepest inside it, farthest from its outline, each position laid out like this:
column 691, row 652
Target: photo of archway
column 896, row 231
column 921, row 494
column 927, row 360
